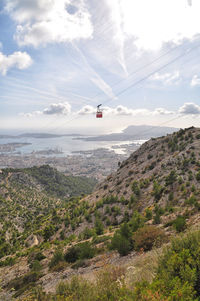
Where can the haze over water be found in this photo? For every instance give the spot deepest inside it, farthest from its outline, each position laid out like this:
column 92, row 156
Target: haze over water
column 67, row 144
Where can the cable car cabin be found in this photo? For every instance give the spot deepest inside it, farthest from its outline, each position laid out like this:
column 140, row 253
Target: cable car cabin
column 99, row 113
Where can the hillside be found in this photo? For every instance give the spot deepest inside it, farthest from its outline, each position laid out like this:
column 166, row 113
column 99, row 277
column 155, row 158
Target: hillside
column 49, row 180
column 163, row 171
column 29, row 199
column 133, row 132
column 151, row 197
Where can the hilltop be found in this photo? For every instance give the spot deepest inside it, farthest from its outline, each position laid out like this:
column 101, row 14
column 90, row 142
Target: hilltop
column 151, row 197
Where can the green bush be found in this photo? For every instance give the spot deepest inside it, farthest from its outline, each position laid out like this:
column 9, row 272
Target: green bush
column 99, row 228
column 148, row 214
column 35, row 255
column 80, row 251
column 122, row 241
column 136, row 222
column 156, row 218
column 157, row 191
column 171, row 178
column 121, row 244
column 57, row 257
column 136, row 188
column 48, row 232
column 179, row 224
column 87, row 233
column 198, row 176
column 36, row 266
column 179, row 269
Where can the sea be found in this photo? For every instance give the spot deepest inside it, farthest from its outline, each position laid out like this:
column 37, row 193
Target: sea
column 66, row 145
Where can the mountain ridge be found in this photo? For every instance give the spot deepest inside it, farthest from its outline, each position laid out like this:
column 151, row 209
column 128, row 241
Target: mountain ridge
column 133, row 132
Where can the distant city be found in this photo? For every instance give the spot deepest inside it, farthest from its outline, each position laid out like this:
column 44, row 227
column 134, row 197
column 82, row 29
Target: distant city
column 73, row 154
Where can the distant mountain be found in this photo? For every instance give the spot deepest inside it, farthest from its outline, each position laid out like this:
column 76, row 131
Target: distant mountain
column 6, row 136
column 37, row 135
column 134, row 132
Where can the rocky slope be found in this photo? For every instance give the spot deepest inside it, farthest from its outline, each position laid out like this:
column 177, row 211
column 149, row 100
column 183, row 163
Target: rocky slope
column 162, row 170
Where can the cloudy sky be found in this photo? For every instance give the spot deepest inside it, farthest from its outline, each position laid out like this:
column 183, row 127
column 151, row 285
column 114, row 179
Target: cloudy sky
column 59, row 59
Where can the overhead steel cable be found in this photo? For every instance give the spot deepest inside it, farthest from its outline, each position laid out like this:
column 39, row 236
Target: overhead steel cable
column 144, row 78
column 152, row 73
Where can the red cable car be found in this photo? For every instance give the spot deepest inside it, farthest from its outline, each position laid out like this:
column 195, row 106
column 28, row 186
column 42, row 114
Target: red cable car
column 99, row 113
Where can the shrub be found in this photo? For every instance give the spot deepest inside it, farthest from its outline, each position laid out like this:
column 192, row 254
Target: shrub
column 178, row 270
column 37, row 255
column 148, row 214
column 121, row 244
column 87, row 233
column 136, row 188
column 156, row 218
column 57, row 257
column 136, row 222
column 80, row 251
column 179, row 224
column 48, row 232
column 198, row 176
column 157, row 191
column 80, row 263
column 147, row 237
column 99, row 228
column 171, row 178
column 20, row 284
column 72, row 254
column 36, row 266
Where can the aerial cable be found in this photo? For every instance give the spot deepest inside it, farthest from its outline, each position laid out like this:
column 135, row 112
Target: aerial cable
column 152, row 73
column 141, row 68
column 144, row 78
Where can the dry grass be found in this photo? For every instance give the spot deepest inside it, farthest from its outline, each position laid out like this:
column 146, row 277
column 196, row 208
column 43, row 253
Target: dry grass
column 143, row 267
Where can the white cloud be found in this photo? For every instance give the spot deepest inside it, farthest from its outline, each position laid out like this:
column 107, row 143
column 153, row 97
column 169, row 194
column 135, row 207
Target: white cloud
column 49, row 21
column 27, row 10
column 121, row 110
column 62, row 108
column 162, row 111
column 154, row 22
column 195, row 81
column 87, row 110
column 58, row 109
column 29, row 115
column 172, row 78
column 189, row 108
column 20, row 60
